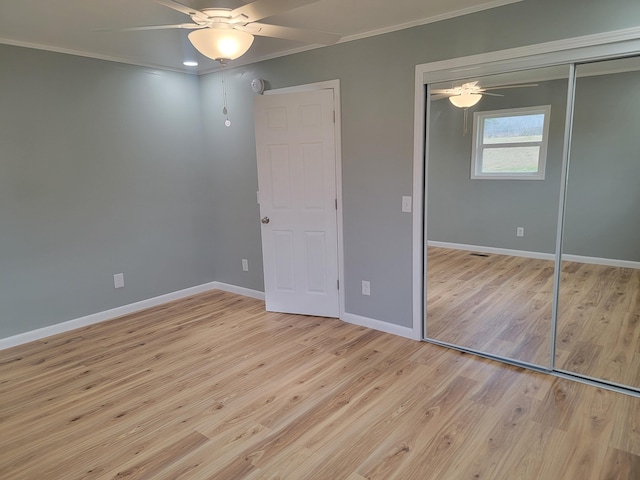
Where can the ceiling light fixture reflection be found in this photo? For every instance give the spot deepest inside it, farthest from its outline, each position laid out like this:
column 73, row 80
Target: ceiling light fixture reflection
column 465, row 100
column 221, row 43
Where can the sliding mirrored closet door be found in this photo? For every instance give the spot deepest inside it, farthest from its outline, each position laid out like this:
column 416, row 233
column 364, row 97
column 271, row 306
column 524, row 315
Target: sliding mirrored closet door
column 493, row 186
column 598, row 331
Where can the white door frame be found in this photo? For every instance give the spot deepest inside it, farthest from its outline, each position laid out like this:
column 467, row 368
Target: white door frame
column 335, row 86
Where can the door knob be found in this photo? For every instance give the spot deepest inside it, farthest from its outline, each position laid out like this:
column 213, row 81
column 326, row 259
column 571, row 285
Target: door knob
column 265, row 220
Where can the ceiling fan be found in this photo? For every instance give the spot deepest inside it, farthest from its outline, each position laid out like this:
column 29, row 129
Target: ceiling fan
column 470, row 93
column 225, row 34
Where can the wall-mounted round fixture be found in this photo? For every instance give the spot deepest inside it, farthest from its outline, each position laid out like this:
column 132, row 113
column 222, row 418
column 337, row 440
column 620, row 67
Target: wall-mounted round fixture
column 257, row 86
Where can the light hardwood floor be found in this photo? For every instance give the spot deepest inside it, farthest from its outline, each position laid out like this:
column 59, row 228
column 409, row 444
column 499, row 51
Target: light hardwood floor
column 212, row 387
column 502, row 305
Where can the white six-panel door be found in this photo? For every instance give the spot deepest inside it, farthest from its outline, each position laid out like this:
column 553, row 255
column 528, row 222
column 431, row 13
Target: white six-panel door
column 296, row 152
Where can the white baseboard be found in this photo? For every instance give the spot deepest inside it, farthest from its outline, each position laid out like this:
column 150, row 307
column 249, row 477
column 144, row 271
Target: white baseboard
column 92, row 319
column 346, row 317
column 239, row 290
column 381, row 326
column 609, row 262
column 44, row 332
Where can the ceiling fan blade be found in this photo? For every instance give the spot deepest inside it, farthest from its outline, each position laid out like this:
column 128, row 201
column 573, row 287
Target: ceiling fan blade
column 266, row 8
column 491, row 94
column 523, row 85
column 150, row 27
column 435, row 98
column 288, row 33
column 178, row 7
column 445, row 91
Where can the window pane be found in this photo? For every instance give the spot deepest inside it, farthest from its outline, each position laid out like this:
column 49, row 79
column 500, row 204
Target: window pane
column 518, row 128
column 510, row 160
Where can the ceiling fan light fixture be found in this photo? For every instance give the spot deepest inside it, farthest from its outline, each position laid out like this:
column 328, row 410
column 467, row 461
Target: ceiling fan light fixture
column 221, row 44
column 465, row 100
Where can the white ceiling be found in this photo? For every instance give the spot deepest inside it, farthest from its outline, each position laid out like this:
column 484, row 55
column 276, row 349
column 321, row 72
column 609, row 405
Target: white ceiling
column 67, row 26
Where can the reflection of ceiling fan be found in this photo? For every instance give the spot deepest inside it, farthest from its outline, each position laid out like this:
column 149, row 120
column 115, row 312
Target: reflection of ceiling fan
column 468, row 94
column 224, row 34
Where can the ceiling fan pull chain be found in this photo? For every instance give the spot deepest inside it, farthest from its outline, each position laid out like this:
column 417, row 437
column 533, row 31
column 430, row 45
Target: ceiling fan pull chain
column 466, row 121
column 225, row 111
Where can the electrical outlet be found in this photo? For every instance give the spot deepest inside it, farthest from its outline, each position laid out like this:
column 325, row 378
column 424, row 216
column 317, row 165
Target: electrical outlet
column 366, row 287
column 245, row 265
column 118, row 280
column 520, row 231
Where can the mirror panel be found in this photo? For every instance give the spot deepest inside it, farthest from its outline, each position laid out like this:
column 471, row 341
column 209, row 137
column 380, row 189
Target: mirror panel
column 490, row 289
column 598, row 332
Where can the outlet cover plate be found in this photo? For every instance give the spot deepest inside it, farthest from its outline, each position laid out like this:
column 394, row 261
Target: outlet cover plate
column 118, row 280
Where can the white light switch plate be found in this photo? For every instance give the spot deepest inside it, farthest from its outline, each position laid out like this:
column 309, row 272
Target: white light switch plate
column 406, row 204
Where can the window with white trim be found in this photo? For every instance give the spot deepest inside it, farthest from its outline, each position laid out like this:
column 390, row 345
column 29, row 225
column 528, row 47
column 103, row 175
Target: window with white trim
column 510, row 144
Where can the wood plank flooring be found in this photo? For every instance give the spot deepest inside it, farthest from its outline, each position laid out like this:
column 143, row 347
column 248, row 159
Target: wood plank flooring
column 502, row 305
column 212, row 387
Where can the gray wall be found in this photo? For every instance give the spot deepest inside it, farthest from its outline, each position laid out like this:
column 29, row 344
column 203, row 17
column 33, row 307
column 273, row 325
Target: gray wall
column 486, row 212
column 107, row 168
column 101, row 171
column 231, row 152
column 377, row 78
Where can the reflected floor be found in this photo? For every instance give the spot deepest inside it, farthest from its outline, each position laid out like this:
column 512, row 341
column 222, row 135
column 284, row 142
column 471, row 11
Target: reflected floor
column 501, row 305
column 496, row 304
column 599, row 322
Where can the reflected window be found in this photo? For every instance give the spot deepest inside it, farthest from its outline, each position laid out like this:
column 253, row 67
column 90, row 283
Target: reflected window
column 510, row 144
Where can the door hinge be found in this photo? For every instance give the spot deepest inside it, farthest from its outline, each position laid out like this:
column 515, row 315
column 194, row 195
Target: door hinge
column 336, row 204
column 334, row 116
column 338, row 284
